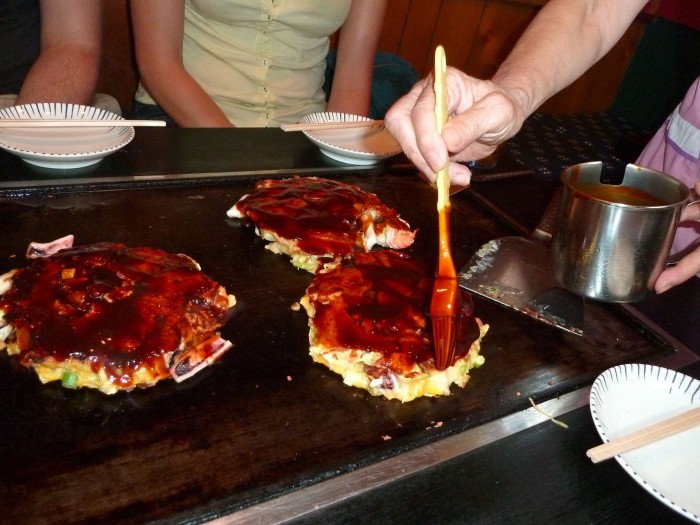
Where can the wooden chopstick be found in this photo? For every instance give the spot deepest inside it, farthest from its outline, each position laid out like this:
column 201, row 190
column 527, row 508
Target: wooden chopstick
column 319, row 126
column 75, row 123
column 645, row 436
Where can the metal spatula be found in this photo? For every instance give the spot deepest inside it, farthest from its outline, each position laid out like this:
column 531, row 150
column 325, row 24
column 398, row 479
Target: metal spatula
column 514, row 272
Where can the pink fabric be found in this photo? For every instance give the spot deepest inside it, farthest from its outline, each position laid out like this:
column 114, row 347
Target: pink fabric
column 663, row 154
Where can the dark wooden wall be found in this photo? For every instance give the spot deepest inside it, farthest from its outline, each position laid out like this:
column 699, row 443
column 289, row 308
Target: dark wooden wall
column 477, row 36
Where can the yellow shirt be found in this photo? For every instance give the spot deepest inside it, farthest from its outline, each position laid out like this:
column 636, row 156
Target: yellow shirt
column 262, row 61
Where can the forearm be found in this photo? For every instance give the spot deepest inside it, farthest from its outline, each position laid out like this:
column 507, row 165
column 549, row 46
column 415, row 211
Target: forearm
column 351, row 95
column 357, row 45
column 159, row 57
column 68, row 65
column 63, row 75
column 545, row 61
column 188, row 105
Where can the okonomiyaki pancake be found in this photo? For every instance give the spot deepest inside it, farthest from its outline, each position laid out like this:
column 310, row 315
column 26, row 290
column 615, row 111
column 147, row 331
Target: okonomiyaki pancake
column 320, row 221
column 110, row 317
column 368, row 320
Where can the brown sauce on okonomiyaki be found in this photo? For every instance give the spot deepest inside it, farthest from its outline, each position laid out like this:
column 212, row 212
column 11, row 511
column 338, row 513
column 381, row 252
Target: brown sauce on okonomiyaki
column 323, row 216
column 383, row 307
column 113, row 307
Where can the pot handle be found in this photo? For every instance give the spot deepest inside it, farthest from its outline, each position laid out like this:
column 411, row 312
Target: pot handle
column 673, row 259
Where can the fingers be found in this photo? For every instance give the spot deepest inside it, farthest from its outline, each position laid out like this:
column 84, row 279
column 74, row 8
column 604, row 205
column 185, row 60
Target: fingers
column 686, row 268
column 689, row 265
column 411, row 120
column 429, row 141
column 460, row 174
column 483, row 117
column 476, row 133
column 691, row 212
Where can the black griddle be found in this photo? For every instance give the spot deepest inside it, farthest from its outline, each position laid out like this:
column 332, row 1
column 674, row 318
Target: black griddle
column 265, row 420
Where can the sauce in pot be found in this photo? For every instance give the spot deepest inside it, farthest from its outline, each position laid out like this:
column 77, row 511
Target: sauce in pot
column 620, row 194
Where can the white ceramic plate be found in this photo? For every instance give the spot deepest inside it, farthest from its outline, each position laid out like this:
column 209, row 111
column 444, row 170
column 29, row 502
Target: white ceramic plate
column 626, row 398
column 63, row 148
column 362, row 146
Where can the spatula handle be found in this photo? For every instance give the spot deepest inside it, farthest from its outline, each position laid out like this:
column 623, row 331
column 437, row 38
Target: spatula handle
column 545, row 228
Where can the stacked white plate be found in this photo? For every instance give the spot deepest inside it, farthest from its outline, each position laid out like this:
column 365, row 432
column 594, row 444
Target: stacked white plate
column 361, row 145
column 63, row 147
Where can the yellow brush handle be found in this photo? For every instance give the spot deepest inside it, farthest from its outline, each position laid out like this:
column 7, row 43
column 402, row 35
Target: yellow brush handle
column 440, row 87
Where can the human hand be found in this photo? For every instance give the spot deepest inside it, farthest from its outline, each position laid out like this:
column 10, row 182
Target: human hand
column 689, row 265
column 483, row 115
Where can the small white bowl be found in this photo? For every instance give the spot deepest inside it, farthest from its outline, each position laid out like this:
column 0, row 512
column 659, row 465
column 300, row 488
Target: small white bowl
column 363, row 146
column 63, row 148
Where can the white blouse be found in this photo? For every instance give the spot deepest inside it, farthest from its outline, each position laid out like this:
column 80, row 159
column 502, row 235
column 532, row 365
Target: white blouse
column 262, row 61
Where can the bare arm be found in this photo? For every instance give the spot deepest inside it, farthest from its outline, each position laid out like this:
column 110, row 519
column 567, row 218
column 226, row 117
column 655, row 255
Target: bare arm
column 68, row 65
column 357, row 45
column 546, row 60
column 158, row 36
column 562, row 42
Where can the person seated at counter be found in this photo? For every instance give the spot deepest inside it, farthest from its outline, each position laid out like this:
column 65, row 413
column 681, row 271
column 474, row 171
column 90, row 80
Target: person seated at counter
column 51, row 53
column 252, row 63
column 561, row 43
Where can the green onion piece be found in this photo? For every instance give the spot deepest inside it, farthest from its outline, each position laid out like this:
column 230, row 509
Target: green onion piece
column 70, row 380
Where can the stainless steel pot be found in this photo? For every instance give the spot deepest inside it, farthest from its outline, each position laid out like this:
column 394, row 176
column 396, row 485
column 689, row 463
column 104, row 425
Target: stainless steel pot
column 611, row 242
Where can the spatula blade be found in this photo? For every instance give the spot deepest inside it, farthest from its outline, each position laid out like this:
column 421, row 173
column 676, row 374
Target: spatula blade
column 514, row 272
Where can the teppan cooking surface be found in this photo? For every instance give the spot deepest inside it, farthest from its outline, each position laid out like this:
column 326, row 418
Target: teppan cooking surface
column 265, row 420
